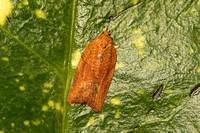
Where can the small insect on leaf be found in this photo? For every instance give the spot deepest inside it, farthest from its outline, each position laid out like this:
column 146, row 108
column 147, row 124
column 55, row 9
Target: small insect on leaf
column 8, row 19
column 136, row 127
column 150, row 111
column 195, row 90
column 94, row 73
column 157, row 93
column 110, row 19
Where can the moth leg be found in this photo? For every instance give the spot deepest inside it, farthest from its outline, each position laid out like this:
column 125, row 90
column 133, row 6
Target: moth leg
column 92, row 37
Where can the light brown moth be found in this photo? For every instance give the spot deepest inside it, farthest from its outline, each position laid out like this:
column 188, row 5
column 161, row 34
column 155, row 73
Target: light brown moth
column 94, row 73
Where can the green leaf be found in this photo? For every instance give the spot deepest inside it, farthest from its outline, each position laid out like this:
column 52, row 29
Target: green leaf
column 157, row 42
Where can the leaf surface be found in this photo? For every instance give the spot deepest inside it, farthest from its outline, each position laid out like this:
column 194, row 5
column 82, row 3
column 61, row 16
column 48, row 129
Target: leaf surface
column 157, row 42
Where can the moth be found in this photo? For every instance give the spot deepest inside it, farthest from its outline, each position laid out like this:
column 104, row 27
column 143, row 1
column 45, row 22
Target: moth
column 150, row 111
column 94, row 73
column 157, row 93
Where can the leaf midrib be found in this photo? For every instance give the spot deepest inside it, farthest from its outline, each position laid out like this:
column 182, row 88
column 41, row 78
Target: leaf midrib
column 68, row 55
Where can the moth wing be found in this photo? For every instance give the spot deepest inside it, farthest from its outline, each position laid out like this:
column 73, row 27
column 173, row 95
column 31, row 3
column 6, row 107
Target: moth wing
column 83, row 84
column 96, row 101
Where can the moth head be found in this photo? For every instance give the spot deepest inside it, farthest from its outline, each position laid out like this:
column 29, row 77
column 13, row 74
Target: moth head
column 106, row 32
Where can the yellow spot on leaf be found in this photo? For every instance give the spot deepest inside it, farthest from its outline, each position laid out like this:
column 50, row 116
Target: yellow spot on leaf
column 5, row 10
column 22, row 88
column 191, row 51
column 141, row 52
column 169, row 91
column 2, row 131
column 12, row 124
column 50, row 103
column 187, row 11
column 121, row 9
column 192, row 11
column 45, row 91
column 36, row 122
column 158, row 20
column 16, row 12
column 195, row 13
column 76, row 57
column 20, row 74
column 140, row 91
column 117, row 114
column 19, row 5
column 5, row 59
column 119, row 65
column 57, row 106
column 135, row 2
column 38, row 2
column 136, row 31
column 101, row 116
column 25, row 2
column 4, row 48
column 27, row 123
column 56, row 7
column 152, row 65
column 198, row 69
column 171, row 106
column 90, row 121
column 115, row 101
column 17, row 80
column 44, row 108
column 139, row 41
column 40, row 14
column 48, row 84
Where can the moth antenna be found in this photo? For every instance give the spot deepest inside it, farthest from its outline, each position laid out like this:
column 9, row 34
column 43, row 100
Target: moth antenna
column 91, row 36
column 107, row 27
